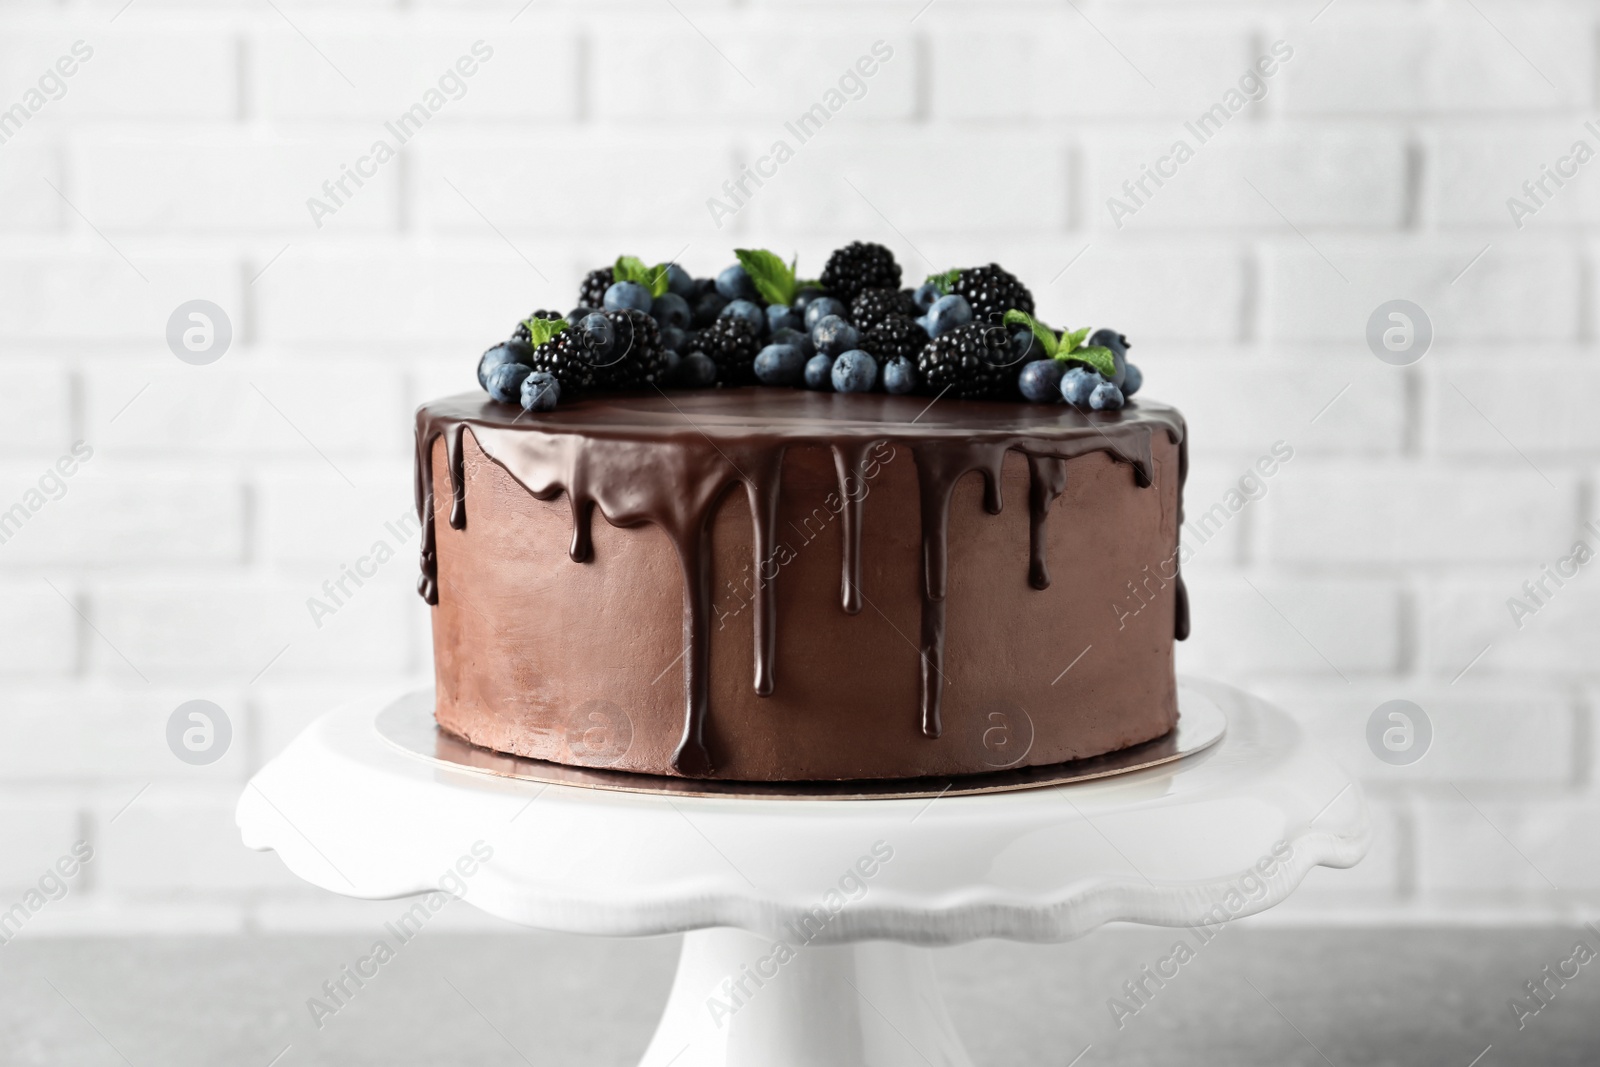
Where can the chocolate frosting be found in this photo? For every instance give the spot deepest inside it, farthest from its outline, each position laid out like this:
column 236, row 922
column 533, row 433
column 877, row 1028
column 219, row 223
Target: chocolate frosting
column 668, row 459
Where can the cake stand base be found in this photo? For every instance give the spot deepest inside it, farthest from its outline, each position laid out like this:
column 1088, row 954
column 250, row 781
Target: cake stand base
column 868, row 1004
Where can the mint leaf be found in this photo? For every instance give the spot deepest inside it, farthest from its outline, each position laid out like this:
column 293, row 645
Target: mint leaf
column 631, row 269
column 1072, row 341
column 773, row 278
column 1045, row 335
column 1094, row 356
column 944, row 282
column 541, row 330
column 658, row 279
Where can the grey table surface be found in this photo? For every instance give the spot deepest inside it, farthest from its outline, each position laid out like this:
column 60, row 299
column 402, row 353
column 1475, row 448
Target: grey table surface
column 1249, row 997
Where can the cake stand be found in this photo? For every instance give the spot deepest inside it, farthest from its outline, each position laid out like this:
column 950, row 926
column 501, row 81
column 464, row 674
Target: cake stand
column 810, row 923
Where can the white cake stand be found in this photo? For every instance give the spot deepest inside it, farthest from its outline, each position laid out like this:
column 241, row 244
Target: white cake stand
column 804, row 917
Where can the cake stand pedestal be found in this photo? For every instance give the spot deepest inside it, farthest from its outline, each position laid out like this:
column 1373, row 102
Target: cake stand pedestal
column 810, row 923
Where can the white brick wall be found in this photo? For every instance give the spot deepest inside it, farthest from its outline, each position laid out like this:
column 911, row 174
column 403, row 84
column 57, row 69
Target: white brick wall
column 1376, row 165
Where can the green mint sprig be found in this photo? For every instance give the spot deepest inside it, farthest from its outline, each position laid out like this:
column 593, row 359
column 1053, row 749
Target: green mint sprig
column 633, row 269
column 774, row 279
column 1068, row 345
column 944, row 282
column 541, row 330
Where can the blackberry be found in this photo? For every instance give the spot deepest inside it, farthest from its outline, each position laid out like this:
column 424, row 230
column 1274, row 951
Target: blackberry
column 872, row 306
column 859, row 266
column 968, row 363
column 732, row 346
column 632, row 357
column 568, row 357
column 992, row 291
column 896, row 335
column 593, row 291
column 521, row 332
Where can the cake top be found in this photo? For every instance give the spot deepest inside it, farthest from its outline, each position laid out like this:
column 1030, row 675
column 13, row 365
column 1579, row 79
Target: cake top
column 965, row 334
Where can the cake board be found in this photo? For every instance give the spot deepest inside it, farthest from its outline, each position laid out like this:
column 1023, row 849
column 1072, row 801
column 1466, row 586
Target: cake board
column 810, row 923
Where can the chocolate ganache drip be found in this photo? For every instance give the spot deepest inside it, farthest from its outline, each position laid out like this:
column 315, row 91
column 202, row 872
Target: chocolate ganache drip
column 669, row 460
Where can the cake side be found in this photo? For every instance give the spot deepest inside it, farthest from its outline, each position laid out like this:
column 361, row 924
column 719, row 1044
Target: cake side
column 628, row 642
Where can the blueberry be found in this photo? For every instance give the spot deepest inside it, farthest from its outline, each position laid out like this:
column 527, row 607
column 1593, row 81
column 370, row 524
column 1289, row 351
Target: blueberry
column 855, row 372
column 925, row 296
column 922, row 320
column 832, row 335
column 1106, row 397
column 1040, row 380
column 504, row 382
column 788, row 335
column 581, row 312
column 1025, row 346
column 707, row 307
column 672, row 337
column 1119, row 351
column 624, row 295
column 819, row 372
column 671, row 364
column 697, row 370
column 821, row 308
column 749, row 312
column 1077, row 384
column 504, row 352
column 735, row 284
column 679, row 281
column 899, row 376
column 670, row 309
column 1132, row 380
column 540, row 391
column 602, row 334
column 780, row 365
column 782, row 317
column 804, row 297
column 947, row 313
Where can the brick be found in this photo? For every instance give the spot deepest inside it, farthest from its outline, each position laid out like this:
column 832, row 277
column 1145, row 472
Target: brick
column 223, row 181
column 1413, row 514
column 1482, row 732
column 1438, row 61
column 29, row 165
column 1522, row 292
column 1480, row 844
column 309, row 515
column 918, row 184
column 41, row 628
column 1471, row 621
column 33, row 835
column 1284, row 391
column 1284, row 625
column 1137, row 66
column 109, row 735
column 297, row 410
column 531, row 73
column 1341, row 177
column 178, row 838
column 1201, row 289
column 338, row 295
column 125, row 517
column 174, row 72
column 1466, row 416
column 790, row 70
column 96, row 295
column 239, row 629
column 595, row 168
column 36, row 394
column 1473, row 176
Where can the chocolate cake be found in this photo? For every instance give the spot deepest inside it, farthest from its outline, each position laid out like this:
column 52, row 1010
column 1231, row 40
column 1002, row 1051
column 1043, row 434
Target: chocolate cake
column 792, row 585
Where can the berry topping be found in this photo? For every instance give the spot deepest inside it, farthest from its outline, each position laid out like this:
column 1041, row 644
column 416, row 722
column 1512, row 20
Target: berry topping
column 780, row 365
column 857, row 266
column 855, row 372
column 968, row 363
